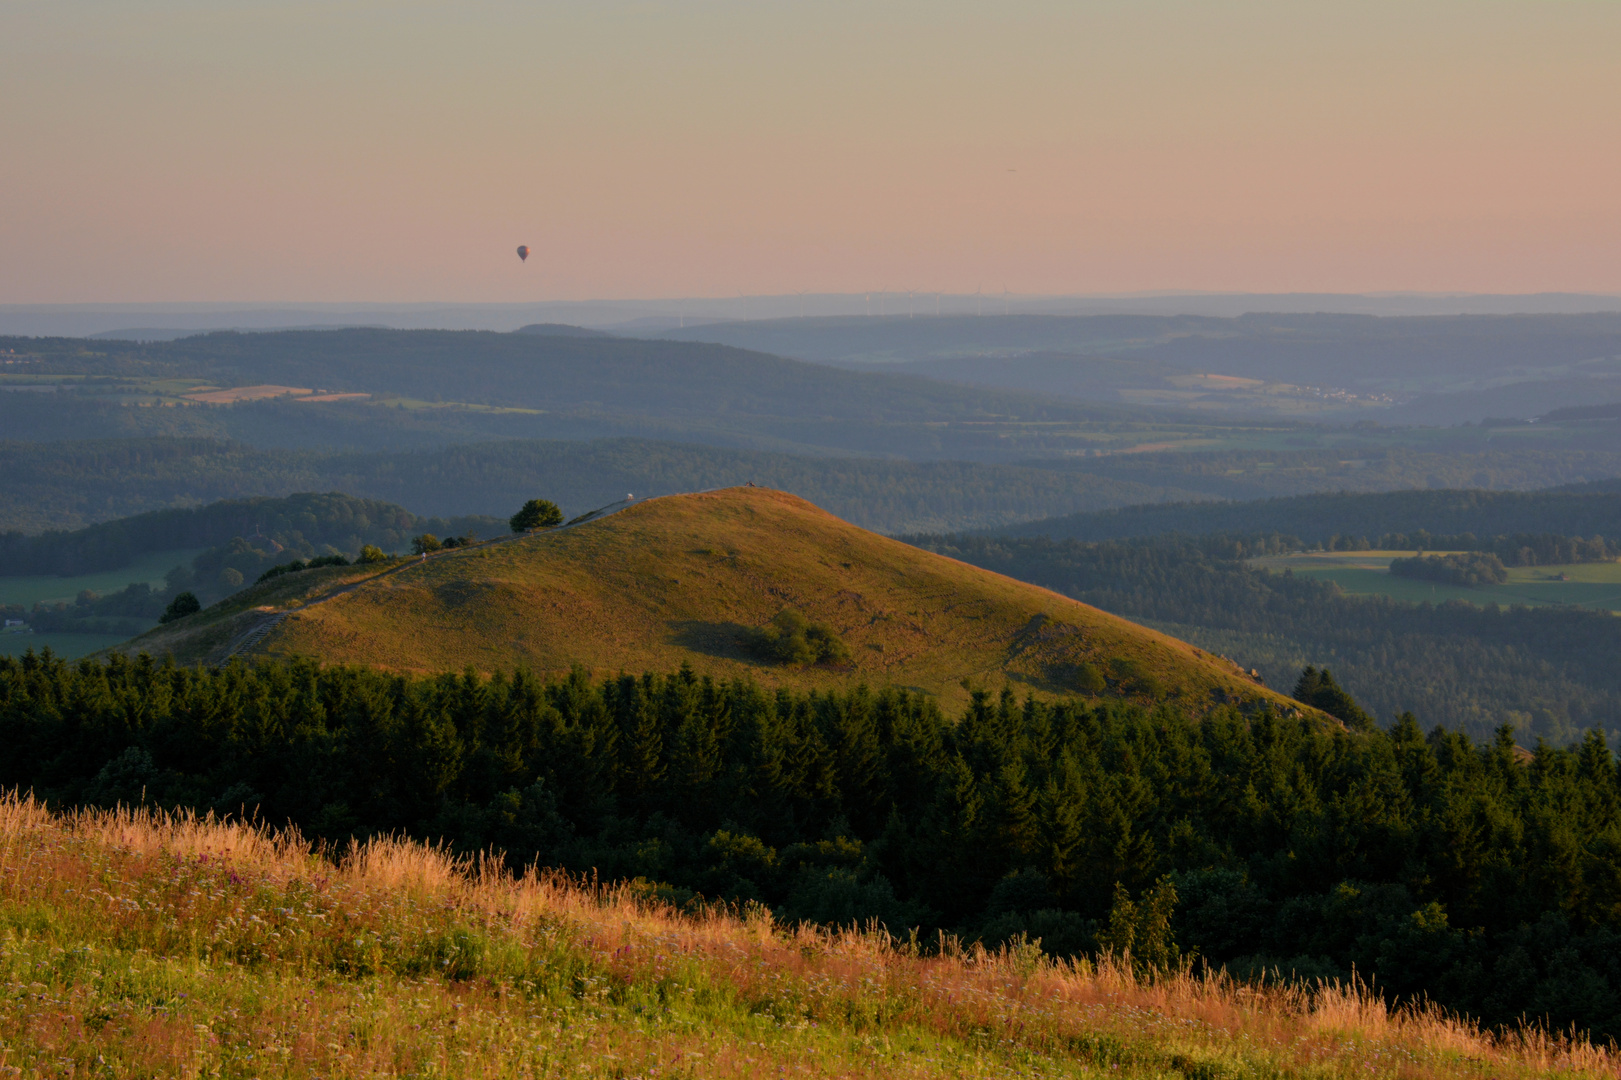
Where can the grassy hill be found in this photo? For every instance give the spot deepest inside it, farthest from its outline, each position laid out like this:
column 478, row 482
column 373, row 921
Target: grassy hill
column 685, row 579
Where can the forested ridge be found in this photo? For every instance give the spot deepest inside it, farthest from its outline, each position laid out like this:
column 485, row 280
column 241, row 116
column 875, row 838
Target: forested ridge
column 1434, row 864
column 1550, row 671
column 46, row 486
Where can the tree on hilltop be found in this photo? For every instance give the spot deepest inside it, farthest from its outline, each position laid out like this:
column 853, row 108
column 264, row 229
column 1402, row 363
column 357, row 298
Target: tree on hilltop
column 536, row 514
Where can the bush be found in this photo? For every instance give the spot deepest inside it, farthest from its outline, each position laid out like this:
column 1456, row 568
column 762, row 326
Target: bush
column 371, row 554
column 536, row 514
column 284, row 568
column 421, row 545
column 793, row 639
column 1089, row 679
column 181, row 606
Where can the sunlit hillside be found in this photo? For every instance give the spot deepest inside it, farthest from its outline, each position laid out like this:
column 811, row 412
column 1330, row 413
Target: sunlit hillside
column 686, row 580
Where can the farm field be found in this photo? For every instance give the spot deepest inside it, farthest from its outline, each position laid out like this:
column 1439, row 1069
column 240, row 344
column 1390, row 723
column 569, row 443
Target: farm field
column 1596, row 586
column 149, row 568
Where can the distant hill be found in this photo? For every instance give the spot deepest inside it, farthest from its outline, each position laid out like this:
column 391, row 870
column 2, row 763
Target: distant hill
column 1582, row 510
column 556, row 382
column 547, row 329
column 1430, row 370
column 685, row 580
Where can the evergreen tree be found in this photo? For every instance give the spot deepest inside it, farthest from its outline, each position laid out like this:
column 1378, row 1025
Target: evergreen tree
column 1319, row 690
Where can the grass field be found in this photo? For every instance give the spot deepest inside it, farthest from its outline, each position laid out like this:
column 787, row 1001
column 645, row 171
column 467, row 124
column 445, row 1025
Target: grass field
column 67, row 646
column 684, row 579
column 148, row 568
column 140, row 945
column 1590, row 585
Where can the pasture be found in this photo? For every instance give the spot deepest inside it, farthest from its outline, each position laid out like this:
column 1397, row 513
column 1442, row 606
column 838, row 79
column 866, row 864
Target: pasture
column 1367, row 573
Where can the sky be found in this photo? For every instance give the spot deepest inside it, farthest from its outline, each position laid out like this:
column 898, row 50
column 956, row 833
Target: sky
column 341, row 150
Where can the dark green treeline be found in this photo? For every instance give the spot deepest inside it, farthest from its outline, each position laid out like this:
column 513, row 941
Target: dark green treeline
column 1438, row 865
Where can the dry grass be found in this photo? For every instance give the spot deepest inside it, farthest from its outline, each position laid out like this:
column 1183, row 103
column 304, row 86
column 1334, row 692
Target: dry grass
column 136, row 944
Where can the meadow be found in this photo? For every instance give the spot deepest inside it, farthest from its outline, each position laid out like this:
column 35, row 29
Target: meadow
column 149, row 567
column 1595, row 586
column 142, row 944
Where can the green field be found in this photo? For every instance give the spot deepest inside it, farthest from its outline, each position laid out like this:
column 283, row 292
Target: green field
column 1367, row 573
column 28, row 591
column 67, row 646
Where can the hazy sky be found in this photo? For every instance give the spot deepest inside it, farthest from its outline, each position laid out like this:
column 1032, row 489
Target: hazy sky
column 274, row 150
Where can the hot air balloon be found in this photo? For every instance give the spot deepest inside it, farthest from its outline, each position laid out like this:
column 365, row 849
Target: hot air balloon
column 523, row 252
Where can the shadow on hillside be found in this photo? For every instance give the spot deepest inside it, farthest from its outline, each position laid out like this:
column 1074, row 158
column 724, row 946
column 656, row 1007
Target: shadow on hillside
column 719, row 639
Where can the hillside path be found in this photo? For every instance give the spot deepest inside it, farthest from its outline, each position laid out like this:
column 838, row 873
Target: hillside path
column 261, row 627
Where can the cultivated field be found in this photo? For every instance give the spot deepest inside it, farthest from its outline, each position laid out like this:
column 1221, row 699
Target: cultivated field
column 1589, row 585
column 145, row 945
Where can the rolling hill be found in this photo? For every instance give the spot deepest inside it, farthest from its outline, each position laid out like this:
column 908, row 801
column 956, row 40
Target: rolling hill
column 1427, row 370
column 684, row 579
column 391, row 389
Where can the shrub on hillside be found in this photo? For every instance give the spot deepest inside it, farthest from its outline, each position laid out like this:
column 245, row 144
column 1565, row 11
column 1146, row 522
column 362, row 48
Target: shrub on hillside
column 536, row 514
column 421, row 545
column 791, row 638
column 299, row 564
column 1089, row 679
column 371, row 554
column 1133, row 676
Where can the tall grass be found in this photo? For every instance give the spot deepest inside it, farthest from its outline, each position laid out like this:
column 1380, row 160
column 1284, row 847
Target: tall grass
column 139, row 943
